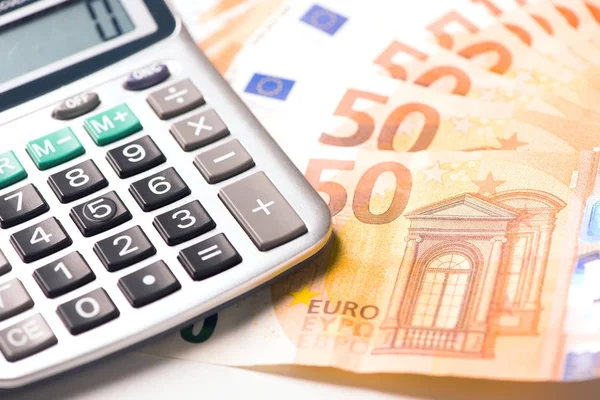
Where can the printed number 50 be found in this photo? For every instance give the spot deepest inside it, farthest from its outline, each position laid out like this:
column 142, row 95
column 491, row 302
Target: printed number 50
column 338, row 196
column 366, row 123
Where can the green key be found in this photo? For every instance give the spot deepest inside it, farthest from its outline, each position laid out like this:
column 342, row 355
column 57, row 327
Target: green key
column 112, row 125
column 55, row 148
column 11, row 170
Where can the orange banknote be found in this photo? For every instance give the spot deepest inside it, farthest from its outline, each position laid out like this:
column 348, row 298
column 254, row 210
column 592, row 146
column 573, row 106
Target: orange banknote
column 478, row 263
column 443, row 263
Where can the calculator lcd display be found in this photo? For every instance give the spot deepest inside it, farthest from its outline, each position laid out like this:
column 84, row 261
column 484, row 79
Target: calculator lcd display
column 59, row 32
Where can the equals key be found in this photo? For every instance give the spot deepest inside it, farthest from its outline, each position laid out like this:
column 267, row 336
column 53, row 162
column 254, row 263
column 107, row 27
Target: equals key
column 209, row 257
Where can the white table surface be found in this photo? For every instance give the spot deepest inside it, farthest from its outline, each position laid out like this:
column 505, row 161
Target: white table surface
column 139, row 376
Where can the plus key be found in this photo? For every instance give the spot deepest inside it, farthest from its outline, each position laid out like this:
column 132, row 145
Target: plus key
column 262, row 211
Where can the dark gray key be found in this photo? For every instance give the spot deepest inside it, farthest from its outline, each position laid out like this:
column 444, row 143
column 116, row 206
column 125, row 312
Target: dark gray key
column 5, row 267
column 87, row 312
column 223, row 162
column 159, row 190
column 40, row 240
column 20, row 206
column 199, row 130
column 209, row 257
column 124, row 249
column 78, row 181
column 262, row 211
column 149, row 284
column 64, row 275
column 135, row 157
column 14, row 299
column 26, row 338
column 175, row 99
column 183, row 223
column 75, row 106
column 100, row 214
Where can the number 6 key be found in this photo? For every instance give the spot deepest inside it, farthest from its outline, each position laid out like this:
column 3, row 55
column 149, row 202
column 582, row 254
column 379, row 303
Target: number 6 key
column 159, row 190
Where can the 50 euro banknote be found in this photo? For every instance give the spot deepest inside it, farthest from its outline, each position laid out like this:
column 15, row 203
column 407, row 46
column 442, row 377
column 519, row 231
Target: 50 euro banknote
column 379, row 112
column 443, row 263
column 288, row 50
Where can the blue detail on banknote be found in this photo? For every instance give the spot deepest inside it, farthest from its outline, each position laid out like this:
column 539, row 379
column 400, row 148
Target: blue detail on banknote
column 590, row 227
column 270, row 86
column 581, row 366
column 324, row 19
column 594, row 224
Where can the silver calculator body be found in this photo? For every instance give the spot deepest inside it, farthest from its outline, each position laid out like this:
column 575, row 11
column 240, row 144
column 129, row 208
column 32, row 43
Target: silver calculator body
column 261, row 204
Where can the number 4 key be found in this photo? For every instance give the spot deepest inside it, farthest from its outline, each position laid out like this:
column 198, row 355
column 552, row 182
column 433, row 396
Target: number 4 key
column 40, row 240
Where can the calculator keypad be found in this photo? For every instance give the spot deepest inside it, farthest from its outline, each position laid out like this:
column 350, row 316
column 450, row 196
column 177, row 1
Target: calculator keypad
column 63, row 275
column 40, row 240
column 253, row 201
column 25, row 338
column 159, row 190
column 20, row 206
column 135, row 157
column 100, row 214
column 199, row 130
column 124, row 249
column 183, row 223
column 14, row 299
column 88, row 311
column 77, row 182
column 149, row 284
column 175, row 99
column 223, row 162
column 209, row 257
column 5, row 266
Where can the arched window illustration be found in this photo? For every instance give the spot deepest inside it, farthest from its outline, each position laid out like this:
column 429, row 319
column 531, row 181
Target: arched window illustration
column 442, row 292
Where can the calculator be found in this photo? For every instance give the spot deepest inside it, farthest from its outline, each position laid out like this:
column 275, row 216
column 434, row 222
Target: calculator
column 137, row 191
